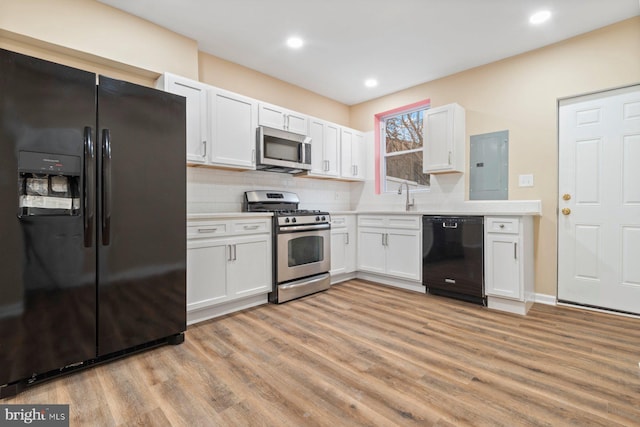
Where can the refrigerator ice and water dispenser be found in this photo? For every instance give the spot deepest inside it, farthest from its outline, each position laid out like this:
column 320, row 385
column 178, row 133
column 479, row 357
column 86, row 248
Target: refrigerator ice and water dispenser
column 48, row 184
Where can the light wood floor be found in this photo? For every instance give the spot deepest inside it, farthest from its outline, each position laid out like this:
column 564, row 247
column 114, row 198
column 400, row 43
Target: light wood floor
column 365, row 354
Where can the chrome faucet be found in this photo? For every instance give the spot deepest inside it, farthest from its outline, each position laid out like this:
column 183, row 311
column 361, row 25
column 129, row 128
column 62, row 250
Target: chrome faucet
column 407, row 205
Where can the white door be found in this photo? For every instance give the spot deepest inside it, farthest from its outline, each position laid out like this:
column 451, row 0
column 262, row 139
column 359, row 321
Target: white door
column 339, row 251
column 404, row 255
column 502, row 263
column 271, row 116
column 196, row 100
column 250, row 267
column 599, row 200
column 331, row 143
column 346, row 165
column 371, row 256
column 296, row 122
column 206, row 273
column 233, row 130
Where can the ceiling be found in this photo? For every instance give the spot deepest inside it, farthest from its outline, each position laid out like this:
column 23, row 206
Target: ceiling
column 401, row 43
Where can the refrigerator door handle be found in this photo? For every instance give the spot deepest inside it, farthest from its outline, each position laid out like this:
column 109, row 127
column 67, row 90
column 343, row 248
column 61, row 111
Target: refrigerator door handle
column 89, row 186
column 106, row 187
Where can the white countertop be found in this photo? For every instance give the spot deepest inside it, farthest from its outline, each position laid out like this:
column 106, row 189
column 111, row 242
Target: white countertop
column 219, row 215
column 473, row 207
column 480, row 207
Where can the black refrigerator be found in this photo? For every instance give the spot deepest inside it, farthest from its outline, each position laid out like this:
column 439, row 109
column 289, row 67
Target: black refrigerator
column 92, row 219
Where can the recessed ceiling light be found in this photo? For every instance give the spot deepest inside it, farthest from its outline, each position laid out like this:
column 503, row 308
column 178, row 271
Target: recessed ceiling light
column 540, row 17
column 295, row 42
column 371, row 83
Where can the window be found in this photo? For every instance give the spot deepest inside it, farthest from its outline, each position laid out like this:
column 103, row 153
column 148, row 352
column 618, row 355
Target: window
column 401, row 148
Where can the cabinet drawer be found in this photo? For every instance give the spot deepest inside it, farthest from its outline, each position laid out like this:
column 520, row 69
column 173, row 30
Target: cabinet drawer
column 338, row 221
column 206, row 229
column 404, row 222
column 503, row 225
column 251, row 226
column 371, row 221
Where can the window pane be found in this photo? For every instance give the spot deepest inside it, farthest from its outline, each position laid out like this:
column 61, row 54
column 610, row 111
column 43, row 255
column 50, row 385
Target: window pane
column 404, row 132
column 407, row 167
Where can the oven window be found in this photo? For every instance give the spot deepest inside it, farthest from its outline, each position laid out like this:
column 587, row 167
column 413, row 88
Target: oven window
column 305, row 250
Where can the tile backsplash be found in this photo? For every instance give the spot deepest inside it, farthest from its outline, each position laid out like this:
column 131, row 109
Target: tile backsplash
column 216, row 190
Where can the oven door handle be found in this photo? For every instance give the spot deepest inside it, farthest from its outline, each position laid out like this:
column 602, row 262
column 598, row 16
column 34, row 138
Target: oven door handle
column 299, row 228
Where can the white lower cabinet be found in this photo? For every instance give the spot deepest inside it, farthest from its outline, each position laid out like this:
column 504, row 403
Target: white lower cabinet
column 389, row 248
column 508, row 258
column 343, row 247
column 228, row 266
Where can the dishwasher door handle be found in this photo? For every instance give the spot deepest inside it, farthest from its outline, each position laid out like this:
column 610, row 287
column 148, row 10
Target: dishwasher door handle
column 451, row 225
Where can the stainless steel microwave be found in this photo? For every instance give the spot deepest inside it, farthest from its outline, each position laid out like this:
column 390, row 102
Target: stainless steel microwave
column 281, row 151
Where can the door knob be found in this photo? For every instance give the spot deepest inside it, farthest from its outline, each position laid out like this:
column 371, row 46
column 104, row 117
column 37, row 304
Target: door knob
column 566, row 211
column 566, row 196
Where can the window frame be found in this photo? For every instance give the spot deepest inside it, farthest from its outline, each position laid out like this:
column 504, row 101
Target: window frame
column 380, row 154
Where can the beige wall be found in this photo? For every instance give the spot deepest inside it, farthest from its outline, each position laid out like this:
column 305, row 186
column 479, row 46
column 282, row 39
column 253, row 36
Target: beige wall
column 520, row 94
column 90, row 35
column 245, row 81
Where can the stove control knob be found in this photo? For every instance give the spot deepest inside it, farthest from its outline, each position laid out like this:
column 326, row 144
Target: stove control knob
column 293, row 220
column 286, row 220
column 317, row 218
column 324, row 218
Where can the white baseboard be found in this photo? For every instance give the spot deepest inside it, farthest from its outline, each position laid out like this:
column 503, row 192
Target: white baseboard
column 343, row 277
column 545, row 299
column 392, row 281
column 218, row 310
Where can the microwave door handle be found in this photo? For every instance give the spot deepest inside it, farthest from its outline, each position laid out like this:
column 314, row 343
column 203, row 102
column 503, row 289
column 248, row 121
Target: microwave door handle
column 301, row 153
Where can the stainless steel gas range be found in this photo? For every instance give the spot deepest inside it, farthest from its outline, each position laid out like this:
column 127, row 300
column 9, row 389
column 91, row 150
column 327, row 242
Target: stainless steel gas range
column 301, row 244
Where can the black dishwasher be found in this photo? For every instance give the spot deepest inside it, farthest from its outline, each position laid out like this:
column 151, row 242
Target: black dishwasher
column 452, row 257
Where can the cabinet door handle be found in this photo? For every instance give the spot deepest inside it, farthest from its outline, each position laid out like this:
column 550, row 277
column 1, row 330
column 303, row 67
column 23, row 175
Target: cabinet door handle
column 253, row 156
column 449, row 157
column 515, row 250
column 230, row 257
column 235, row 254
column 346, row 239
column 382, row 235
column 207, row 230
column 204, row 149
column 251, row 227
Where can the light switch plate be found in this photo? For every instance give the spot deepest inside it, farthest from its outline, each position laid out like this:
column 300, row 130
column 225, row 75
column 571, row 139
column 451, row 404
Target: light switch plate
column 525, row 180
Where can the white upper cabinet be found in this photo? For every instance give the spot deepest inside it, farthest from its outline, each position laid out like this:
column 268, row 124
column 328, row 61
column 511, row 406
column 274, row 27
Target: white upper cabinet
column 233, row 129
column 352, row 155
column 444, row 139
column 195, row 92
column 325, row 140
column 281, row 118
